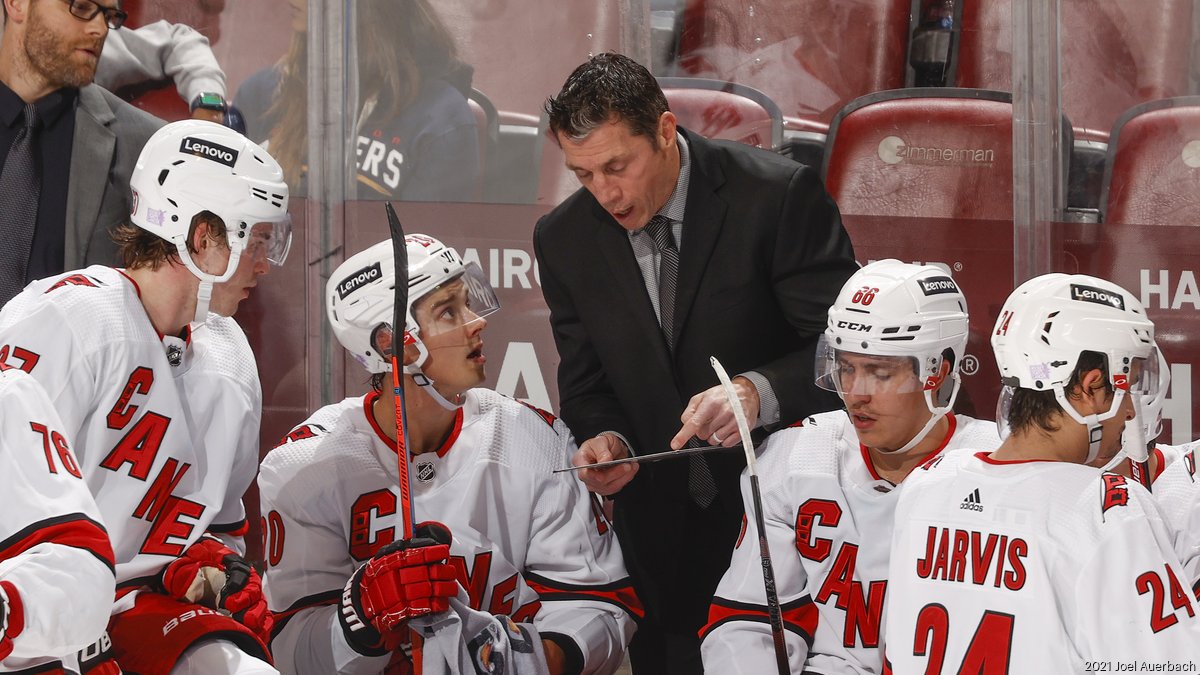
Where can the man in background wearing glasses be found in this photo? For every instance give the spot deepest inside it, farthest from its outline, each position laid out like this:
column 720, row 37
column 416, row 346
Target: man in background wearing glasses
column 67, row 146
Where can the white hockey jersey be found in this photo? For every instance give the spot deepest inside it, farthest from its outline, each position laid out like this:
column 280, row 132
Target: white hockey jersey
column 54, row 550
column 165, row 428
column 1033, row 567
column 1178, row 495
column 528, row 543
column 828, row 517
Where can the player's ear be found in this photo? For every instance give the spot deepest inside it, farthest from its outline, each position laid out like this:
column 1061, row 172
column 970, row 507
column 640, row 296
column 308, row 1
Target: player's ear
column 1092, row 390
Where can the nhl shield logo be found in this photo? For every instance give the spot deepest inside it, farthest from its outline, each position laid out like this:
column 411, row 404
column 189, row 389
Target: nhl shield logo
column 174, row 355
column 425, row 472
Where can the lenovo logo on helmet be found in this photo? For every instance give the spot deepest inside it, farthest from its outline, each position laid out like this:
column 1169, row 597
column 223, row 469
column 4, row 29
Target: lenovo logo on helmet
column 850, row 325
column 1097, row 295
column 209, row 150
column 358, row 279
column 937, row 285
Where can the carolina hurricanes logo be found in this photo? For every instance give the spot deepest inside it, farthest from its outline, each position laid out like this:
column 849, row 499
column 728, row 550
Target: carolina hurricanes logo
column 1116, row 492
column 419, row 239
column 1121, row 381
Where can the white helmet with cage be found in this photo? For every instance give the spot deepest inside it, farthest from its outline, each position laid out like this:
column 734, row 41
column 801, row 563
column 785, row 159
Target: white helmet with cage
column 1049, row 321
column 895, row 309
column 193, row 166
column 361, row 295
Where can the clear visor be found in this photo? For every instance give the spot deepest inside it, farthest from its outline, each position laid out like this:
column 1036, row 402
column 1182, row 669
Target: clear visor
column 456, row 305
column 1143, row 377
column 856, row 374
column 270, row 239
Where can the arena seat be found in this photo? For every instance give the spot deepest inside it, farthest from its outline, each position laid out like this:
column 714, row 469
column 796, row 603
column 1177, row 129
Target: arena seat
column 1152, row 168
column 810, row 56
column 487, row 127
column 724, row 110
column 924, row 152
column 1114, row 54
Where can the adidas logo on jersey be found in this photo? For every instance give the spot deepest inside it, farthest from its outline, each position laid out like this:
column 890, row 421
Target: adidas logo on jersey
column 972, row 502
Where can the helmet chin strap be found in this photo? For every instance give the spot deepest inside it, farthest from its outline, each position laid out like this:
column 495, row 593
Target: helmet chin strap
column 426, row 386
column 1091, row 422
column 424, row 381
column 203, row 297
column 205, row 289
column 938, row 414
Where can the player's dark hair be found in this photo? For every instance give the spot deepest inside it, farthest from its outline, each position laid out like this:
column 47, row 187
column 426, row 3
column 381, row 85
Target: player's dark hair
column 140, row 248
column 608, row 86
column 1040, row 409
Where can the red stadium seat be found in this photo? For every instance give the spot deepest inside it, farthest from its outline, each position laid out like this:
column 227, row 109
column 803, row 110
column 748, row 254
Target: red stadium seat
column 810, row 56
column 1153, row 165
column 1114, row 54
column 923, row 152
column 725, row 110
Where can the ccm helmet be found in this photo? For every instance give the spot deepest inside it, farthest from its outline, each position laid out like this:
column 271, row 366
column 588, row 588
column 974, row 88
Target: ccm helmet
column 891, row 308
column 192, row 166
column 1049, row 321
column 361, row 295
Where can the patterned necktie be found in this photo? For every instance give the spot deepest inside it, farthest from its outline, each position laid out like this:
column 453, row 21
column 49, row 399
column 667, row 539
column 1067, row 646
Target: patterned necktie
column 659, row 228
column 701, row 486
column 20, row 185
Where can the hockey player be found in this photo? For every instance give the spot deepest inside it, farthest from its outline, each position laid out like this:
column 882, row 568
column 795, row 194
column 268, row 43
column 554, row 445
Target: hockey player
column 56, row 564
column 1028, row 559
column 528, row 544
column 162, row 397
column 895, row 338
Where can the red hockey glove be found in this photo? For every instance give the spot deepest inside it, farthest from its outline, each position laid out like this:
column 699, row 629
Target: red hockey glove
column 12, row 617
column 405, row 579
column 211, row 574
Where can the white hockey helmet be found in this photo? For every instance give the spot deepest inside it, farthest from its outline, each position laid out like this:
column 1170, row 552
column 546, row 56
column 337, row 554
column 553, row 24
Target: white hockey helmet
column 896, row 309
column 1049, row 321
column 192, row 166
column 361, row 295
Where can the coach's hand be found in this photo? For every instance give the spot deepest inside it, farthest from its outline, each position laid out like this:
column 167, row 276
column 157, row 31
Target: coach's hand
column 405, row 579
column 709, row 417
column 604, row 448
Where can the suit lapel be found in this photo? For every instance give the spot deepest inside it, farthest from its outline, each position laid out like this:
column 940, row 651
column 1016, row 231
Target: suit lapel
column 90, row 164
column 702, row 221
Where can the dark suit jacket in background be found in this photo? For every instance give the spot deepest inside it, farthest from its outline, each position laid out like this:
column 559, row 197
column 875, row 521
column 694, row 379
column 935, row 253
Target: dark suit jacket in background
column 109, row 135
column 763, row 256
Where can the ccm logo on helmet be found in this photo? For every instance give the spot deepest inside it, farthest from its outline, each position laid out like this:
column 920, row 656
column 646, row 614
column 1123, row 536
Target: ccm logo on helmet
column 209, row 150
column 937, row 285
column 850, row 325
column 359, row 279
column 1097, row 295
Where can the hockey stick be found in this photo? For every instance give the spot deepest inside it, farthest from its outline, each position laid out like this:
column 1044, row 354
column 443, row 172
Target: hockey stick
column 399, row 314
column 656, row 457
column 774, row 614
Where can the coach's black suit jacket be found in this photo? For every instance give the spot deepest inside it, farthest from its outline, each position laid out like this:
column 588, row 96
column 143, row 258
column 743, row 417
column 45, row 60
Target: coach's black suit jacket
column 763, row 256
